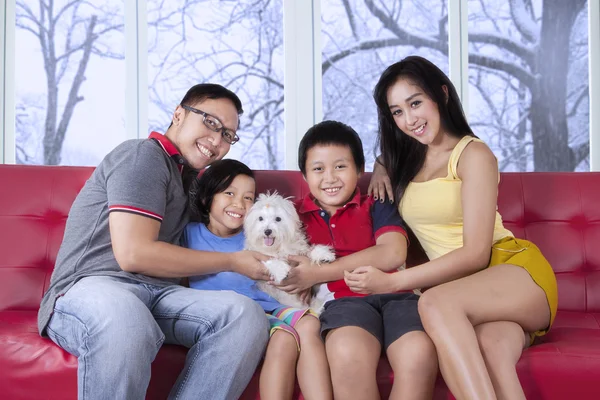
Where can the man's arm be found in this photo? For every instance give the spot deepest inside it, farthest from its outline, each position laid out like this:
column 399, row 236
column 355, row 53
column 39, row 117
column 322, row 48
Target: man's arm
column 137, row 249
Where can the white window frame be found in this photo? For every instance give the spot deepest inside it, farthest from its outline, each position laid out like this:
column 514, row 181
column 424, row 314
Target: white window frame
column 7, row 79
column 302, row 74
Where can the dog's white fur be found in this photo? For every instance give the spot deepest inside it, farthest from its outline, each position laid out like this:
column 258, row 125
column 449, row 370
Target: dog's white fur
column 272, row 227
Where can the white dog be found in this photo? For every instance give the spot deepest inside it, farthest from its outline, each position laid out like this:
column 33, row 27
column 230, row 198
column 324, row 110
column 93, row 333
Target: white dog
column 272, row 227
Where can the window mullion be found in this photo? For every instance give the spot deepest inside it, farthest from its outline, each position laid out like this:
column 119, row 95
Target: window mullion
column 136, row 62
column 458, row 49
column 7, row 82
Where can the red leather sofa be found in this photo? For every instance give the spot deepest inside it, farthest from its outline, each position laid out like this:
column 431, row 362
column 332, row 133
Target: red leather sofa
column 558, row 211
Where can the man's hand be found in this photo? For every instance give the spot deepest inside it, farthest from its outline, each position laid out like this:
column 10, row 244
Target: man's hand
column 301, row 277
column 368, row 280
column 380, row 184
column 250, row 263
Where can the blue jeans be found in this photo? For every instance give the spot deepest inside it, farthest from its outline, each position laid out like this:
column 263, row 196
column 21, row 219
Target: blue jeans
column 116, row 326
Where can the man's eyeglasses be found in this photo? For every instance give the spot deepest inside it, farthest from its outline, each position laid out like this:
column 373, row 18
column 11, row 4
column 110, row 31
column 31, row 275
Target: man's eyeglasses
column 215, row 125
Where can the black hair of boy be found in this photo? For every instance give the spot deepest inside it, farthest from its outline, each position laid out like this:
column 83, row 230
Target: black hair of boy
column 328, row 133
column 215, row 179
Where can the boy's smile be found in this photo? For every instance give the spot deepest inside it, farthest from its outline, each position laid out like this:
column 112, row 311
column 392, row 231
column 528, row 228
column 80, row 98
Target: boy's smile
column 331, row 175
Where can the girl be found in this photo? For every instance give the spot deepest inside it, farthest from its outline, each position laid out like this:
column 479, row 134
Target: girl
column 219, row 201
column 489, row 292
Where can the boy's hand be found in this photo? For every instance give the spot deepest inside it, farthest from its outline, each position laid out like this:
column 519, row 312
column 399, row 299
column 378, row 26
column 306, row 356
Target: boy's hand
column 368, row 280
column 250, row 263
column 301, row 277
column 305, row 296
column 380, row 184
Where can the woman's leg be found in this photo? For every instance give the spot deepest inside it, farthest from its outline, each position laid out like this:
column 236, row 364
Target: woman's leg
column 313, row 370
column 353, row 355
column 502, row 344
column 278, row 374
column 449, row 312
column 414, row 361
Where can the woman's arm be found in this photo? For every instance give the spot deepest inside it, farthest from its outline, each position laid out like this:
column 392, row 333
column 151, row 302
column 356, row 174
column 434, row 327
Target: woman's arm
column 478, row 170
column 389, row 253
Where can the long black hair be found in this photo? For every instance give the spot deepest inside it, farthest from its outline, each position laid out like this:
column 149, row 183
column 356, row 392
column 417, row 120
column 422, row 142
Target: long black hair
column 214, row 180
column 402, row 155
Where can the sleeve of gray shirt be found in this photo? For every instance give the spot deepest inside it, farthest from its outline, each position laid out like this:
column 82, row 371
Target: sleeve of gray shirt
column 138, row 182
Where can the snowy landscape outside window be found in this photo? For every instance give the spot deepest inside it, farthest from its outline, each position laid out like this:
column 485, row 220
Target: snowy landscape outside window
column 238, row 44
column 529, row 82
column 360, row 38
column 69, row 81
column 528, row 77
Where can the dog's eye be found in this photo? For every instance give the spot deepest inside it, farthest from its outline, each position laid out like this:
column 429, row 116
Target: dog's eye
column 278, row 219
column 260, row 218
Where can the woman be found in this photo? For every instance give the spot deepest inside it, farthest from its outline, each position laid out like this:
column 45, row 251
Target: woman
column 446, row 183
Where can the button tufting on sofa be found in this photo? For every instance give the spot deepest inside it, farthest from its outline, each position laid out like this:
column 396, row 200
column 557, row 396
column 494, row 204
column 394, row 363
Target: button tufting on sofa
column 560, row 212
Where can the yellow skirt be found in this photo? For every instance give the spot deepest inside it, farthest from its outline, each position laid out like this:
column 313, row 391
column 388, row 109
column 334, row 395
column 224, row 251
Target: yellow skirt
column 528, row 256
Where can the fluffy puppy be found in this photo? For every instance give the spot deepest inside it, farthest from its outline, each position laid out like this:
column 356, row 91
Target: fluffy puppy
column 272, row 227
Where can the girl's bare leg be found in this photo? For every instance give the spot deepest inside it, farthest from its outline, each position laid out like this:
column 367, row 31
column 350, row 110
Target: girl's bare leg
column 312, row 370
column 278, row 374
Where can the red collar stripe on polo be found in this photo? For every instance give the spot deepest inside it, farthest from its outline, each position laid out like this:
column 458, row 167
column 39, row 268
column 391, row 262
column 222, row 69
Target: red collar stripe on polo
column 168, row 148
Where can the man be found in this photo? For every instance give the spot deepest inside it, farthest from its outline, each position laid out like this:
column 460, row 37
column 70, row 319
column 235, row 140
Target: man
column 114, row 297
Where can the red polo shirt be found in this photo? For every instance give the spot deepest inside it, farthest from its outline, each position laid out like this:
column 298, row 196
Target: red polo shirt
column 354, row 227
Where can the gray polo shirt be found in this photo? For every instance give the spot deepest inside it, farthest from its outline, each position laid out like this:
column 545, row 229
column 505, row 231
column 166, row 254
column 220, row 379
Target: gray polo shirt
column 139, row 176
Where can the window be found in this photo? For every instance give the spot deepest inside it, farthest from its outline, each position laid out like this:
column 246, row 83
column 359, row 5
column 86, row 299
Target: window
column 236, row 44
column 529, row 82
column 69, row 81
column 359, row 40
column 67, row 100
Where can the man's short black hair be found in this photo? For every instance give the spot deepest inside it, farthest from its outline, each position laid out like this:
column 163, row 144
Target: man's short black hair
column 331, row 133
column 202, row 91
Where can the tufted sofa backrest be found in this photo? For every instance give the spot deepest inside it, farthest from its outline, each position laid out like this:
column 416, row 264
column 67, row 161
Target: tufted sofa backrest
column 560, row 212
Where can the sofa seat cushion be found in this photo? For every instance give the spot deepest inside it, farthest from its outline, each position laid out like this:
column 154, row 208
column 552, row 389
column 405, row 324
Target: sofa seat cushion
column 569, row 353
column 25, row 357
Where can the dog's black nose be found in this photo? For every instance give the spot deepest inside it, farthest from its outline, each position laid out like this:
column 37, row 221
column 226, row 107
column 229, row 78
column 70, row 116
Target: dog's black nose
column 268, row 232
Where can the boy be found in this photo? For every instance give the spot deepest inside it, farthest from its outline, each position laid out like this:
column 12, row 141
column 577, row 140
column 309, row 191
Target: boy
column 362, row 231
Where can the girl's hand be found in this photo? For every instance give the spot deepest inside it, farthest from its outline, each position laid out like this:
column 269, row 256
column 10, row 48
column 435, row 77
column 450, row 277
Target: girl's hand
column 380, row 184
column 368, row 280
column 301, row 277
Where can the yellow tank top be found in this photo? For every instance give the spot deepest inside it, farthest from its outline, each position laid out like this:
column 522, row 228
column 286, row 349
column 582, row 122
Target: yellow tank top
column 433, row 209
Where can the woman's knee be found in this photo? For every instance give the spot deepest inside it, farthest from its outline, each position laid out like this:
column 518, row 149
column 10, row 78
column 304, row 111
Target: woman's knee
column 433, row 306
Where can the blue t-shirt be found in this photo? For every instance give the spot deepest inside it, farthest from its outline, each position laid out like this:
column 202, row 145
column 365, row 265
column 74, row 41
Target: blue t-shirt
column 197, row 236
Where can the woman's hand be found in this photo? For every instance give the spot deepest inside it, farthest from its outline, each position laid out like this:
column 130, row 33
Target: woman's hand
column 301, row 277
column 369, row 280
column 380, row 184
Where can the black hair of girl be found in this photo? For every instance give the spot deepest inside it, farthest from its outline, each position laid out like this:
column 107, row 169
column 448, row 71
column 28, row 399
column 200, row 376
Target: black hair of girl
column 402, row 155
column 215, row 179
